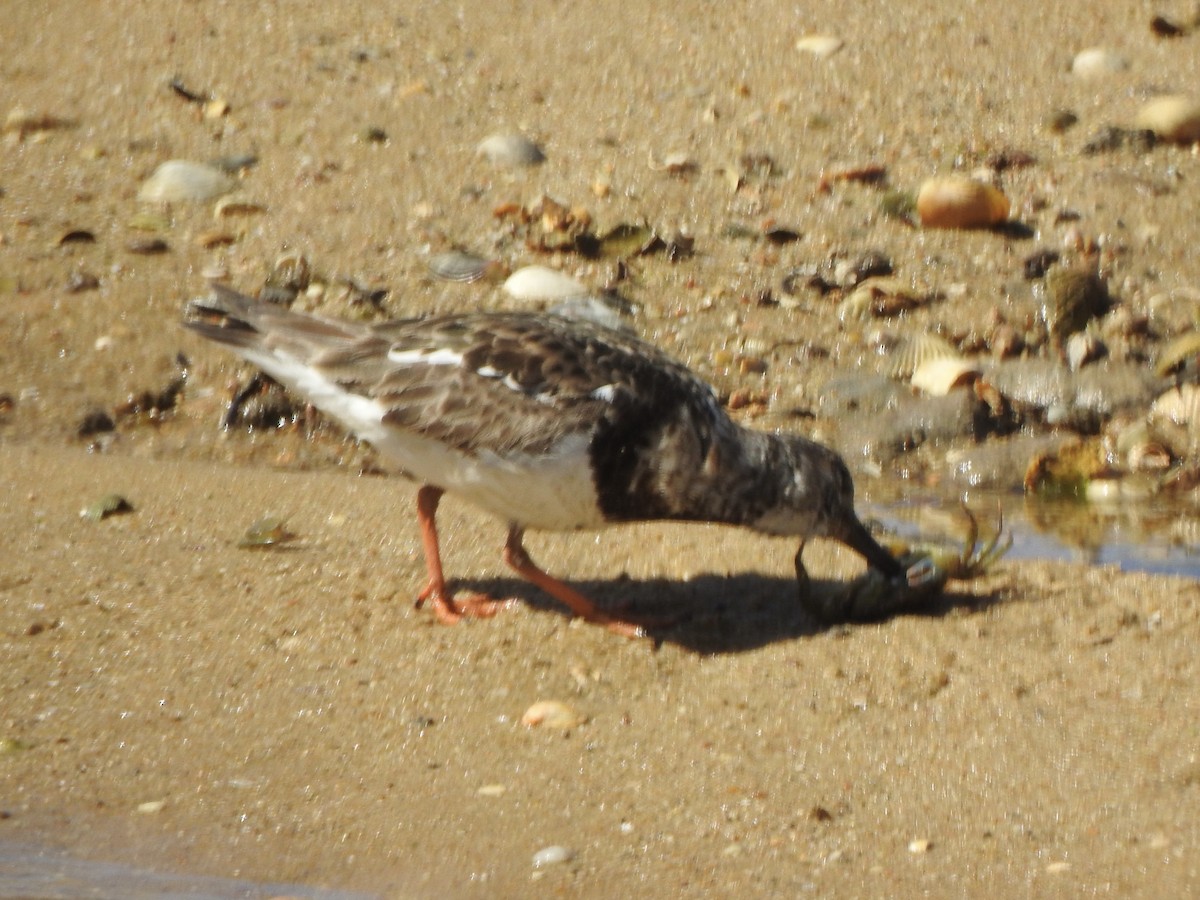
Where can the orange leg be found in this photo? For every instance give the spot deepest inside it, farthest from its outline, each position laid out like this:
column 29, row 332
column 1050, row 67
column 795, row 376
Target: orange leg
column 447, row 610
column 518, row 558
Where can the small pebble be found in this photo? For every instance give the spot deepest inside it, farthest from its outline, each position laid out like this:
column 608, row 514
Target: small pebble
column 1096, row 62
column 920, row 845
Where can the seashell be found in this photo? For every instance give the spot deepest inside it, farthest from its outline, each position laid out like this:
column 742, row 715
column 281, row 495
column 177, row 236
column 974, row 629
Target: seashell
column 675, row 163
column 267, row 532
column 552, row 714
column 1096, row 62
column 179, row 180
column 1172, row 118
column 210, row 240
column 1175, row 417
column 1149, row 456
column 821, row 46
column 955, row 201
column 554, row 855
column 938, row 377
column 458, row 265
column 881, row 297
column 1070, row 299
column 1180, row 354
column 150, row 221
column 511, row 150
column 227, row 207
column 541, row 283
column 108, row 505
column 1082, row 348
column 75, row 236
column 905, row 354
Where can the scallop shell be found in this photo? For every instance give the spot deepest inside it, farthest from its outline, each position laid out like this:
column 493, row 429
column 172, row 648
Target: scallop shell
column 938, row 377
column 458, row 265
column 179, row 180
column 905, row 354
column 511, row 150
column 955, row 201
column 541, row 283
column 1097, row 62
column 1172, row 118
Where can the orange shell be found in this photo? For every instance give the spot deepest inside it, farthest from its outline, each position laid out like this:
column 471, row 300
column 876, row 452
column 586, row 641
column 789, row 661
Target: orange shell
column 955, row 201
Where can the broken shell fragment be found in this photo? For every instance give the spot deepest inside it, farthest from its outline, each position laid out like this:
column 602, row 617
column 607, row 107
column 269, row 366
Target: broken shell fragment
column 542, row 283
column 268, row 532
column 511, row 150
column 1179, row 356
column 955, row 201
column 180, row 180
column 552, row 714
column 108, row 505
column 1172, row 118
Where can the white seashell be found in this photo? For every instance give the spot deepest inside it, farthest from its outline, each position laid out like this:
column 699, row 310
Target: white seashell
column 938, row 377
column 511, row 150
column 1174, row 118
column 1096, row 62
column 541, row 283
column 179, row 180
column 553, row 855
column 955, row 201
column 821, row 46
column 1180, row 405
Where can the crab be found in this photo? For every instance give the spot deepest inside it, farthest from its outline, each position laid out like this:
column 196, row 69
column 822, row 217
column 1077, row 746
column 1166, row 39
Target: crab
column 928, row 566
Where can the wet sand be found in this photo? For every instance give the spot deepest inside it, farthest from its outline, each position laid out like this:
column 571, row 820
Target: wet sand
column 174, row 701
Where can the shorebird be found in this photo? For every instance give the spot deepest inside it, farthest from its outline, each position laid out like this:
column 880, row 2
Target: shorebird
column 547, row 423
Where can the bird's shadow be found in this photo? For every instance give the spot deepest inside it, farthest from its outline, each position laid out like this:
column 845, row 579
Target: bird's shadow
column 717, row 613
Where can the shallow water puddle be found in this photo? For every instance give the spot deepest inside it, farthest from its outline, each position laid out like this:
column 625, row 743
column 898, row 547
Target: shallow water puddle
column 28, row 871
column 1159, row 539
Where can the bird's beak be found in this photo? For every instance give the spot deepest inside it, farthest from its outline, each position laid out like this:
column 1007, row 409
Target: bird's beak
column 857, row 538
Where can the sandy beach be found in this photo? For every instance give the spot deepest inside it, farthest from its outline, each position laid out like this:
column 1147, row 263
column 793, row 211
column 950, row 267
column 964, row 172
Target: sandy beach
column 177, row 702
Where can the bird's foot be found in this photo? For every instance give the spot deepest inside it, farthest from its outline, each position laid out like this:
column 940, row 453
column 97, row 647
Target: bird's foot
column 449, row 609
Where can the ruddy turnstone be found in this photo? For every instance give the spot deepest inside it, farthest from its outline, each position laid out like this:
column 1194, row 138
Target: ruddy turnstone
column 547, row 423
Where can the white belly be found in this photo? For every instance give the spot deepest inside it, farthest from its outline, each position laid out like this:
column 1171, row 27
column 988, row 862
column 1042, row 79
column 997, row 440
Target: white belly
column 550, row 493
column 553, row 492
